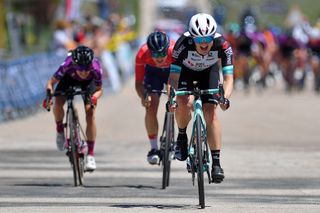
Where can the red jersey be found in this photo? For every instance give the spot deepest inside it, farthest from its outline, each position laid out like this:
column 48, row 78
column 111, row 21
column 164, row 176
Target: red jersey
column 143, row 58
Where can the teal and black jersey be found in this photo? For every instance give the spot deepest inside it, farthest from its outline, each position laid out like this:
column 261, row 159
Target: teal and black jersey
column 185, row 55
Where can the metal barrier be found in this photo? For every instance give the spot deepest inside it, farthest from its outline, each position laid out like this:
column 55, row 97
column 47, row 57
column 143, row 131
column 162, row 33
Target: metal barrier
column 23, row 80
column 22, row 84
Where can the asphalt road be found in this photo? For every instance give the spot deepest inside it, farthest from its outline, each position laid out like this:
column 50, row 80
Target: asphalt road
column 271, row 158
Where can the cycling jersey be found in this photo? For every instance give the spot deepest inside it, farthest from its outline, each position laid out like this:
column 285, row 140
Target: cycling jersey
column 80, row 73
column 144, row 58
column 185, row 54
column 204, row 69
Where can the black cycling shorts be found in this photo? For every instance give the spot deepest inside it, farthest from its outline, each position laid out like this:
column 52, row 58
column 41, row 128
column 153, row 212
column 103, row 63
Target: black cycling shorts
column 89, row 85
column 155, row 77
column 207, row 79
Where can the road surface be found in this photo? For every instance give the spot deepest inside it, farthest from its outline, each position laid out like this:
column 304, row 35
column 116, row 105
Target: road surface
column 271, row 158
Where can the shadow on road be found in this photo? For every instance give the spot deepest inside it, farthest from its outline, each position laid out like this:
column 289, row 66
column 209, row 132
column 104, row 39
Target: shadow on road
column 124, row 186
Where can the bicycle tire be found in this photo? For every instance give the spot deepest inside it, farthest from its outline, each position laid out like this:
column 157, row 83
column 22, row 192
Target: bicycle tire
column 79, row 157
column 199, row 156
column 73, row 155
column 168, row 140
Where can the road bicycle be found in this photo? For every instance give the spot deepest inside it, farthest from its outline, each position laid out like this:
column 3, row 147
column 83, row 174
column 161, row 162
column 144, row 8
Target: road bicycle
column 199, row 155
column 75, row 143
column 167, row 139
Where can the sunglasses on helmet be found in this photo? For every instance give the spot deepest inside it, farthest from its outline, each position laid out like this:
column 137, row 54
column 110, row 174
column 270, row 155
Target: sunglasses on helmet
column 159, row 54
column 206, row 39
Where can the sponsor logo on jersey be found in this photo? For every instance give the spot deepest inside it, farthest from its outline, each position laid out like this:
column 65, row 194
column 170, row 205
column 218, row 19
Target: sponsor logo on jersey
column 228, row 53
column 197, row 62
column 177, row 52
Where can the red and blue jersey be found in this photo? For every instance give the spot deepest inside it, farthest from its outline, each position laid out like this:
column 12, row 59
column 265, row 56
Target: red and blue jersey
column 144, row 58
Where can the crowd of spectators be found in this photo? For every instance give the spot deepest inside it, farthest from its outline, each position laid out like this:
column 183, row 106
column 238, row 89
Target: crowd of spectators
column 113, row 41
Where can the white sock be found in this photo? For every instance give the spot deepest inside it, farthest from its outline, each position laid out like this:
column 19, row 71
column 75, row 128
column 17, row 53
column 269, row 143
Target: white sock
column 154, row 143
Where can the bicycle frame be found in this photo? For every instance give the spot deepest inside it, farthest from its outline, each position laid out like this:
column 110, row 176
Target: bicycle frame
column 167, row 140
column 75, row 137
column 199, row 154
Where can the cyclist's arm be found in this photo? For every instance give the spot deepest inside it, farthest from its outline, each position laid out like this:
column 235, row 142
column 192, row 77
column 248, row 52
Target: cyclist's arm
column 139, row 71
column 50, row 84
column 139, row 89
column 98, row 93
column 175, row 67
column 226, row 55
column 228, row 85
column 174, row 76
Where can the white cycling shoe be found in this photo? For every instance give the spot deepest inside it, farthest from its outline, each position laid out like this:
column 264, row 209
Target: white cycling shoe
column 153, row 156
column 90, row 163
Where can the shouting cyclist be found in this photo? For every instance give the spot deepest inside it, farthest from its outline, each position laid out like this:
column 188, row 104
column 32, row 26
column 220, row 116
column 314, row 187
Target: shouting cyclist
column 197, row 55
column 82, row 69
column 152, row 70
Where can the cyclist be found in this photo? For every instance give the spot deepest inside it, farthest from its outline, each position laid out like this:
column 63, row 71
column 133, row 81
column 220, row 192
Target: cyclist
column 82, row 69
column 152, row 69
column 196, row 58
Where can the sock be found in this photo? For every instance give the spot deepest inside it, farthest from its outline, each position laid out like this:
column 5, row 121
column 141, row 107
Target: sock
column 90, row 147
column 215, row 157
column 59, row 126
column 183, row 131
column 153, row 139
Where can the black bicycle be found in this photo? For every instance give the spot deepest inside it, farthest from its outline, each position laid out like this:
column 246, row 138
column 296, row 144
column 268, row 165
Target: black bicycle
column 167, row 141
column 75, row 136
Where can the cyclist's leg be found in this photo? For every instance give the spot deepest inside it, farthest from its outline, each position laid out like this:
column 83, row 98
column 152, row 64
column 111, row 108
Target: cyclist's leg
column 58, row 111
column 155, row 81
column 91, row 129
column 211, row 81
column 183, row 113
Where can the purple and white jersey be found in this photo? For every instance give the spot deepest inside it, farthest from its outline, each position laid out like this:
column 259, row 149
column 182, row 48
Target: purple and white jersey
column 80, row 73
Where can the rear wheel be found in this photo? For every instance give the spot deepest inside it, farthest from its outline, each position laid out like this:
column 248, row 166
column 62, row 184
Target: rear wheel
column 199, row 162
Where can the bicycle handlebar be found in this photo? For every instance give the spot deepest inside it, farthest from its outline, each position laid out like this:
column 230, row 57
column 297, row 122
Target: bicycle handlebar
column 148, row 91
column 69, row 93
column 197, row 92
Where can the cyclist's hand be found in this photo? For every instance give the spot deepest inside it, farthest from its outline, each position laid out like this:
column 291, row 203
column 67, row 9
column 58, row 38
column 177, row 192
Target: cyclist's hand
column 47, row 102
column 173, row 106
column 44, row 104
column 225, row 104
column 146, row 102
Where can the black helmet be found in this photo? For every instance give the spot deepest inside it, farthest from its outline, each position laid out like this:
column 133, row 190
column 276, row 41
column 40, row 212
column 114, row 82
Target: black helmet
column 158, row 42
column 82, row 55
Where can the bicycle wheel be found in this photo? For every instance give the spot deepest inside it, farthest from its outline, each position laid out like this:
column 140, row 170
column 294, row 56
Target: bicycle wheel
column 80, row 156
column 168, row 140
column 74, row 149
column 199, row 162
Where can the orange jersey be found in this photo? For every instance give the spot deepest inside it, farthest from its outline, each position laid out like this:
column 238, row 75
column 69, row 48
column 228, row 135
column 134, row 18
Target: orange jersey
column 143, row 58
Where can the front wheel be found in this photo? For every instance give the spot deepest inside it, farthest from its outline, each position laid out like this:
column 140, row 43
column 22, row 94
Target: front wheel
column 199, row 161
column 75, row 159
column 168, row 141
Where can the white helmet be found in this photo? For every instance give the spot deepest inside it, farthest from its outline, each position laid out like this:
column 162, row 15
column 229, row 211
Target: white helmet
column 202, row 25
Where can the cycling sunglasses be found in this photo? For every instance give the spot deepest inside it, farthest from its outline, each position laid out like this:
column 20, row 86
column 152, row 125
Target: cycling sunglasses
column 199, row 40
column 159, row 54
